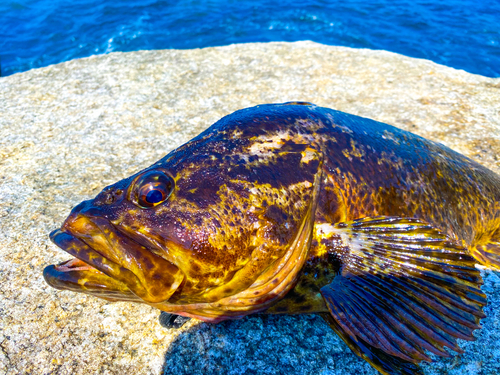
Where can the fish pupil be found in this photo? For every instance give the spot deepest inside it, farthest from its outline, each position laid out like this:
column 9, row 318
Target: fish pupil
column 154, row 196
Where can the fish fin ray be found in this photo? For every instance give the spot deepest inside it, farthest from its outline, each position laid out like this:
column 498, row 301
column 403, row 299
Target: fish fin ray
column 404, row 288
column 488, row 254
column 384, row 363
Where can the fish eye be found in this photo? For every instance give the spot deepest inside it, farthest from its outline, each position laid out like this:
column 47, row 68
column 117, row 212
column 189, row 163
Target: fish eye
column 151, row 189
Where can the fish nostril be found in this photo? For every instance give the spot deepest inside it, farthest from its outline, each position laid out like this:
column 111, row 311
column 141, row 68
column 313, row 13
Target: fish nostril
column 111, row 196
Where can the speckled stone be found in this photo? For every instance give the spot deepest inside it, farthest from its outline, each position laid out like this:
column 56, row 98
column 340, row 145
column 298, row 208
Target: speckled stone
column 68, row 130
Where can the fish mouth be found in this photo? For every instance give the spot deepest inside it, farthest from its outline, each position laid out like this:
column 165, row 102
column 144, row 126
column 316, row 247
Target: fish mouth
column 77, row 276
column 109, row 264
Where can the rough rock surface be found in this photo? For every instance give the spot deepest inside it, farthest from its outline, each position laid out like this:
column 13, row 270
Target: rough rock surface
column 68, row 130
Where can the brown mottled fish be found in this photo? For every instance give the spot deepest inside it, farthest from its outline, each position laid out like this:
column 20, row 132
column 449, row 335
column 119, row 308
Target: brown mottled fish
column 294, row 208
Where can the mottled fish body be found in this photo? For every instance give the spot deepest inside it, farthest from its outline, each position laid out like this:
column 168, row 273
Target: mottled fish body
column 294, row 208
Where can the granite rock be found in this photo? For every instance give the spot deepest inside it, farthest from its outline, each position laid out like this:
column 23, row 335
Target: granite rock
column 68, row 130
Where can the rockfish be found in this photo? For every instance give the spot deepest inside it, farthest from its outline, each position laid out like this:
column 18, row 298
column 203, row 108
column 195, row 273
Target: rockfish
column 293, row 208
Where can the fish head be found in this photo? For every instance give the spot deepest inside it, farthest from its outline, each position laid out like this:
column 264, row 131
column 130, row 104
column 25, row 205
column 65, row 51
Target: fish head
column 220, row 215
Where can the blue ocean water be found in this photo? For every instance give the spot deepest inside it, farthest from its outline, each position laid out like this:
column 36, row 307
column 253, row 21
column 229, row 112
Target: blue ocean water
column 464, row 34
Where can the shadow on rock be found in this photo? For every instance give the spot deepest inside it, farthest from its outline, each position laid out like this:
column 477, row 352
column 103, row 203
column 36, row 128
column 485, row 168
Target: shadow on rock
column 262, row 344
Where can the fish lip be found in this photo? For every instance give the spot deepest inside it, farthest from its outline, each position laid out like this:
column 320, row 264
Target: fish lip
column 56, row 275
column 65, row 277
column 121, row 263
column 65, row 244
column 79, row 276
column 98, row 284
column 65, row 266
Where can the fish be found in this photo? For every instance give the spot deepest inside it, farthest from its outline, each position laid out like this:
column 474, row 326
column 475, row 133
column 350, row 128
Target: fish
column 294, row 208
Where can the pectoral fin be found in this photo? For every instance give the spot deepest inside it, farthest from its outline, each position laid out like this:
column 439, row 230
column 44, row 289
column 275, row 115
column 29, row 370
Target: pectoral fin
column 404, row 289
column 380, row 360
column 488, row 254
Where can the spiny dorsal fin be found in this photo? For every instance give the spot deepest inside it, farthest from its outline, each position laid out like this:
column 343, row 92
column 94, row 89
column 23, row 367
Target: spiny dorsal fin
column 405, row 288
